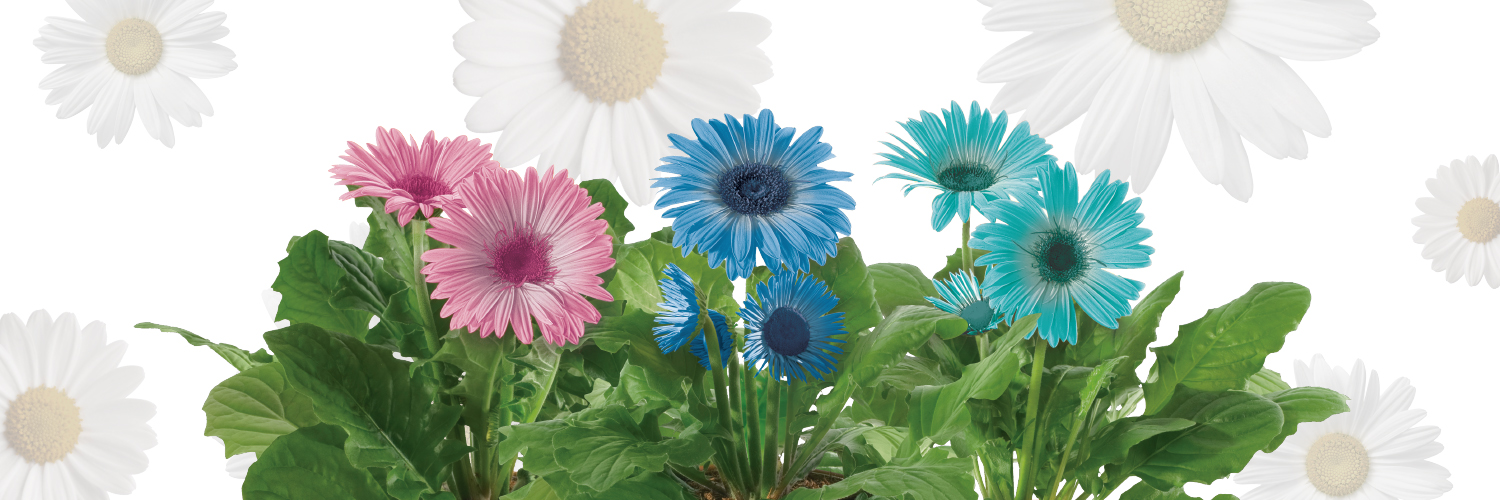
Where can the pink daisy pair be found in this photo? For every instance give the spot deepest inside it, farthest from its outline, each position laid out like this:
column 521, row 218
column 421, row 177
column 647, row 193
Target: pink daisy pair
column 524, row 249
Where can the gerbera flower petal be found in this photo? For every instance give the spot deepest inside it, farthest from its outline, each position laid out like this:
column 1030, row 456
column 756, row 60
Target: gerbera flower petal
column 788, row 329
column 409, row 176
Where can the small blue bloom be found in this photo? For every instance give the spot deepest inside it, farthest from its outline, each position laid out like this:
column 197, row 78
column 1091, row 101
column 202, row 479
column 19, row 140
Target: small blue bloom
column 1049, row 250
column 968, row 159
column 679, row 316
column 726, row 342
column 962, row 298
column 748, row 188
column 789, row 329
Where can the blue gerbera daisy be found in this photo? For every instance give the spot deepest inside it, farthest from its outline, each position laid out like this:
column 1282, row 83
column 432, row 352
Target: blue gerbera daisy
column 726, row 343
column 1049, row 250
column 678, row 319
column 968, row 159
column 961, row 297
column 749, row 187
column 789, row 328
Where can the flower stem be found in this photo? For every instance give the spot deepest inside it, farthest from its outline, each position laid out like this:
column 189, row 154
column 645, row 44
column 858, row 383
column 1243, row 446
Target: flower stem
column 723, row 402
column 967, row 259
column 773, row 432
column 420, row 297
column 1029, row 447
column 538, row 400
column 753, row 419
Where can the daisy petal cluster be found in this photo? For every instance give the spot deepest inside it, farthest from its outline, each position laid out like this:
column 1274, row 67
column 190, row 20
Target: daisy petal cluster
column 409, row 176
column 131, row 58
column 789, row 329
column 1460, row 221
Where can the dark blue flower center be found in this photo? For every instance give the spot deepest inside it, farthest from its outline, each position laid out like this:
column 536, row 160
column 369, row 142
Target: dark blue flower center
column 422, row 187
column 754, row 189
column 1061, row 257
column 786, row 333
column 978, row 314
column 967, row 177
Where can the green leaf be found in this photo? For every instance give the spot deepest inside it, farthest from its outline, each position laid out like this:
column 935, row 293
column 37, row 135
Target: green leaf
column 932, row 477
column 598, row 448
column 940, row 412
column 899, row 333
column 1112, row 442
column 309, row 464
column 633, row 330
column 1265, row 382
column 900, row 285
column 240, row 359
column 603, row 192
column 954, row 264
column 1143, row 491
column 639, row 267
column 1301, row 405
column 854, row 285
column 392, row 420
column 308, row 281
column 478, row 357
column 387, row 239
column 1228, row 344
column 364, row 286
column 1135, row 333
column 253, row 408
column 1231, row 427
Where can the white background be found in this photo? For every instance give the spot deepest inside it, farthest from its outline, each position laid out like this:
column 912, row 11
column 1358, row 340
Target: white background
column 190, row 236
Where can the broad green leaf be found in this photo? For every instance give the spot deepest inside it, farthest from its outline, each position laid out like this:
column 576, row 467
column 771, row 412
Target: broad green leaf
column 240, row 359
column 598, row 448
column 1112, row 442
column 854, row 285
column 1265, row 382
column 1231, row 427
column 307, row 464
column 1135, row 333
column 1143, row 491
column 387, row 239
column 902, row 331
column 940, row 412
column 639, row 268
column 900, row 285
column 603, row 192
column 1301, row 405
column 932, row 477
column 365, row 285
column 953, row 264
column 308, row 280
column 1228, row 344
column 392, row 420
column 478, row 357
column 1124, row 403
column 253, row 408
column 633, row 330
column 642, row 390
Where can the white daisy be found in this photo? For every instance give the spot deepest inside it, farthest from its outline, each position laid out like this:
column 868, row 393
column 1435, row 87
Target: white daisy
column 595, row 86
column 237, row 466
column 1213, row 66
column 134, row 56
column 1460, row 221
column 69, row 430
column 1372, row 452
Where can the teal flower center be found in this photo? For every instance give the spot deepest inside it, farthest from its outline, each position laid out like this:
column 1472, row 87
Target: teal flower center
column 967, row 177
column 1061, row 257
column 755, row 189
column 978, row 314
column 786, row 332
column 522, row 258
column 422, row 187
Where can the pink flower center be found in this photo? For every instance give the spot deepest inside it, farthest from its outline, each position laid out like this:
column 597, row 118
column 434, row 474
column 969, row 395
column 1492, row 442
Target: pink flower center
column 522, row 258
column 423, row 187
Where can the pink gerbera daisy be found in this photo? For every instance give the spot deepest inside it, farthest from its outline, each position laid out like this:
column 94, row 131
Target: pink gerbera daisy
column 523, row 249
column 411, row 177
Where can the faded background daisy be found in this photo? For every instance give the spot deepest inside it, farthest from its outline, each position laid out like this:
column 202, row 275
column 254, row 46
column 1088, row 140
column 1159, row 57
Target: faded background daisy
column 137, row 231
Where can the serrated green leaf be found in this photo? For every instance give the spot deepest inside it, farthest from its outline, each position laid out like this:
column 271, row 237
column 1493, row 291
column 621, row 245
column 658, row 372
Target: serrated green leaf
column 633, row 330
column 1228, row 344
column 1301, row 405
column 478, row 357
column 240, row 359
column 253, row 408
column 365, row 286
column 306, row 464
column 387, row 239
column 900, row 285
column 392, row 421
column 308, row 280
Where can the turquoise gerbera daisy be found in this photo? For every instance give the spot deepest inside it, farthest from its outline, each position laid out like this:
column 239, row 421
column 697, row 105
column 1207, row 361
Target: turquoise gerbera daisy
column 968, row 159
column 748, row 188
column 961, row 297
column 789, row 328
column 1049, row 250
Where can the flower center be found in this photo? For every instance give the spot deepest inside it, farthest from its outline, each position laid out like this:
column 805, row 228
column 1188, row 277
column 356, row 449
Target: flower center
column 967, row 177
column 1479, row 220
column 978, row 314
column 1171, row 25
column 1337, row 464
column 786, row 333
column 42, row 425
column 522, row 258
column 133, row 46
column 1061, row 257
column 423, row 187
column 612, row 50
column 754, row 189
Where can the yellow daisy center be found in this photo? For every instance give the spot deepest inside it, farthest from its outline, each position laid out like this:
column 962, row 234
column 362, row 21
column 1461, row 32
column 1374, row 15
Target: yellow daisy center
column 42, row 425
column 133, row 46
column 1171, row 25
column 1337, row 464
column 1479, row 220
column 612, row 50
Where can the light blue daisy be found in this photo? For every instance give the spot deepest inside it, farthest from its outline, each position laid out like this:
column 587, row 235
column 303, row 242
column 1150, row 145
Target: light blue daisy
column 789, row 329
column 968, row 159
column 678, row 318
column 748, row 188
column 726, row 342
column 1050, row 250
column 961, row 297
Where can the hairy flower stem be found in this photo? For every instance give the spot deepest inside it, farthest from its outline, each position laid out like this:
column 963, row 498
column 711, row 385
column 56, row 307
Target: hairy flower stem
column 1029, row 447
column 753, row 419
column 773, row 433
column 732, row 465
column 420, row 297
column 789, row 448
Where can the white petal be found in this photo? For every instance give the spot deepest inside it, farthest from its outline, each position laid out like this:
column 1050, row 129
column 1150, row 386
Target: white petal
column 1214, row 146
column 1299, row 29
column 596, row 159
column 501, row 104
column 1070, row 91
column 1286, row 91
column 507, row 42
column 1040, row 52
column 1421, row 482
column 86, row 91
column 1018, row 95
column 551, row 11
column 1130, row 124
column 209, row 60
column 632, row 151
column 100, row 15
column 536, row 127
column 1043, row 15
column 731, row 30
column 1242, row 100
column 177, row 14
column 205, row 27
column 153, row 116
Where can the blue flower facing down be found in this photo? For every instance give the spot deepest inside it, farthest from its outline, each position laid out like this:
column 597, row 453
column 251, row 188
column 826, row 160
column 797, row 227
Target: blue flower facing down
column 1050, row 250
column 726, row 342
column 961, row 297
column 678, row 320
column 748, row 187
column 789, row 328
column 968, row 159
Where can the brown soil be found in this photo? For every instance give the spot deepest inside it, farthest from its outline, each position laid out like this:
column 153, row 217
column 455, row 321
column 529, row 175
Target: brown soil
column 817, row 479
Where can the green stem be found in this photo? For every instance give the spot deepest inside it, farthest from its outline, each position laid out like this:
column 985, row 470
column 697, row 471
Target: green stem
column 789, row 447
column 773, row 431
column 420, row 297
column 1033, row 399
column 538, row 400
column 967, row 256
column 463, row 483
column 723, row 402
column 753, row 409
